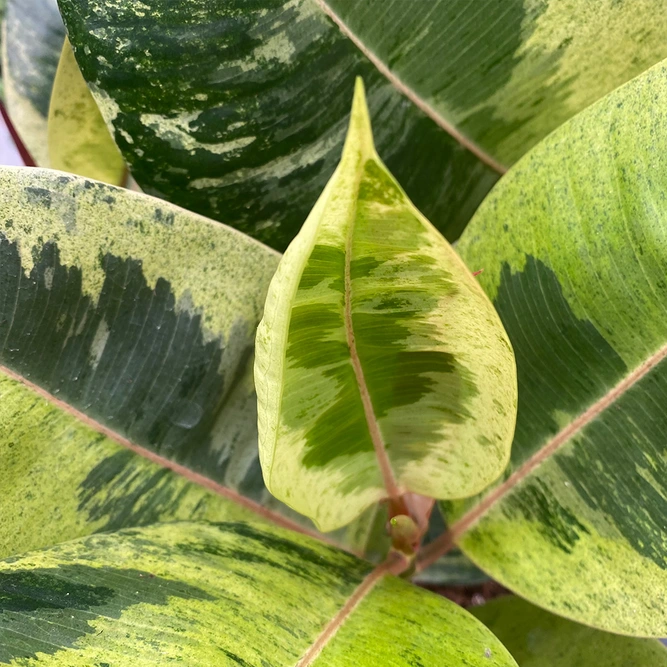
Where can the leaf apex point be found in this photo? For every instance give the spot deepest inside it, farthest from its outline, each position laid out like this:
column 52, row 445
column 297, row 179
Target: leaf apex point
column 360, row 132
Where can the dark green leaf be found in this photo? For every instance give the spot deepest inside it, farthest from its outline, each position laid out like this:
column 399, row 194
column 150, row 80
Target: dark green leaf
column 239, row 111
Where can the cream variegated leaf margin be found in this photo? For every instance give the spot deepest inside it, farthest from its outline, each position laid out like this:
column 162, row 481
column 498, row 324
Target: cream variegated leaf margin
column 232, row 593
column 381, row 366
column 78, row 138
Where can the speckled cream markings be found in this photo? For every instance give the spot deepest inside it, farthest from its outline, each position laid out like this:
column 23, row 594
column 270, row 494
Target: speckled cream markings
column 331, row 274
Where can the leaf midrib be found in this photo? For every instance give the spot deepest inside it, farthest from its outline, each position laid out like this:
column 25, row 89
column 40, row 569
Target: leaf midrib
column 411, row 94
column 448, row 539
column 178, row 469
column 386, row 470
column 394, row 565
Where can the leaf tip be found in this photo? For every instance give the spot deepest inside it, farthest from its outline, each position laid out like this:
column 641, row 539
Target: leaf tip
column 359, row 134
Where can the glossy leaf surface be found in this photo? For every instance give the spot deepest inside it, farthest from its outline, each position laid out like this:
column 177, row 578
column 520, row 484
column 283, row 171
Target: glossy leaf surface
column 381, row 366
column 239, row 111
column 123, row 321
column 536, row 638
column 224, row 595
column 79, row 141
column 505, row 74
column 32, row 41
column 574, row 253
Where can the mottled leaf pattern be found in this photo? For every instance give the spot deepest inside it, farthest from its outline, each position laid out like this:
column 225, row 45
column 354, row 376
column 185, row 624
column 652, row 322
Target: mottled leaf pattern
column 79, row 141
column 381, row 366
column 536, row 638
column 238, row 111
column 140, row 317
column 574, row 252
column 504, row 74
column 61, row 479
column 33, row 38
column 226, row 595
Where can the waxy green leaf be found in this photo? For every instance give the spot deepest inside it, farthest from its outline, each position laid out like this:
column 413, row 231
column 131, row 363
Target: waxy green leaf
column 505, row 74
column 223, row 595
column 126, row 325
column 536, row 638
column 574, row 252
column 238, row 110
column 381, row 366
column 79, row 141
column 32, row 42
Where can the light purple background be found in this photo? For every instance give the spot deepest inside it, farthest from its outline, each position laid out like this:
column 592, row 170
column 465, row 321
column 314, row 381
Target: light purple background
column 8, row 153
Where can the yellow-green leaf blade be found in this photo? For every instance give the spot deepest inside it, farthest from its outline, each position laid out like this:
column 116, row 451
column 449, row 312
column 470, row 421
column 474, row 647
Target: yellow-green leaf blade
column 380, row 632
column 78, row 138
column 62, row 479
column 536, row 638
column 195, row 594
column 574, row 250
column 381, row 367
column 227, row 594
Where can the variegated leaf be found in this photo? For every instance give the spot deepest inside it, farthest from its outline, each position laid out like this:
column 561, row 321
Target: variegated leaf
column 505, row 74
column 536, row 638
column 574, row 252
column 381, row 366
column 32, row 40
column 125, row 324
column 224, row 595
column 238, row 110
column 78, row 139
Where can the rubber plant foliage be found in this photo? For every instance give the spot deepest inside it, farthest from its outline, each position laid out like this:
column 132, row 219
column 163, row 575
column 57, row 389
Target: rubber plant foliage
column 238, row 111
column 126, row 403
column 113, row 515
column 133, row 487
column 574, row 255
column 382, row 368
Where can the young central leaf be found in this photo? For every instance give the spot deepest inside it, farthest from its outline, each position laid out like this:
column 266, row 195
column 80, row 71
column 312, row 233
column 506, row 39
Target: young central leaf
column 381, row 368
